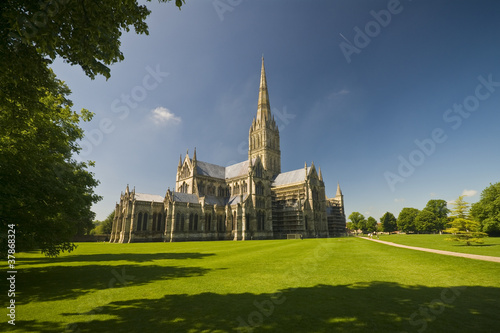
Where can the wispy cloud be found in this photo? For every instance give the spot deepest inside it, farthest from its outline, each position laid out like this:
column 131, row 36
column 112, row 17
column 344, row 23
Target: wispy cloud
column 469, row 193
column 433, row 195
column 162, row 116
column 399, row 200
column 339, row 93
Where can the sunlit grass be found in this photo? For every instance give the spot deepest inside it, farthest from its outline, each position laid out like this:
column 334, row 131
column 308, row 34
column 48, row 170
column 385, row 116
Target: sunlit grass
column 324, row 285
column 490, row 247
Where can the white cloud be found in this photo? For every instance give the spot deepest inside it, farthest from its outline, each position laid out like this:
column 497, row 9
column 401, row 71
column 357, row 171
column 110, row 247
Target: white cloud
column 433, row 195
column 469, row 193
column 339, row 93
column 162, row 115
column 399, row 200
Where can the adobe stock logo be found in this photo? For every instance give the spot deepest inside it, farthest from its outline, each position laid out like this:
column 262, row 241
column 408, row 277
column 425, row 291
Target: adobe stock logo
column 373, row 28
column 453, row 116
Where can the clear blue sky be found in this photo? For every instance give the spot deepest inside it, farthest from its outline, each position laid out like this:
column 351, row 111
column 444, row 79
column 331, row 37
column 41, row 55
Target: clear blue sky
column 354, row 103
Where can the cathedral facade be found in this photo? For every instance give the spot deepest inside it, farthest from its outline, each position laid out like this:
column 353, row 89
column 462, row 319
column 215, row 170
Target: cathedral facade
column 248, row 200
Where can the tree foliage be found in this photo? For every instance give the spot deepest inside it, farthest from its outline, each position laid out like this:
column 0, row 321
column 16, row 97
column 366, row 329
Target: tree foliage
column 426, row 221
column 466, row 231
column 389, row 222
column 462, row 227
column 406, row 219
column 487, row 210
column 104, row 227
column 358, row 220
column 440, row 210
column 43, row 190
column 371, row 224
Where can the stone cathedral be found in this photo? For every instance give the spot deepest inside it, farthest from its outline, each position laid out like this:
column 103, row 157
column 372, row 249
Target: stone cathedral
column 248, row 200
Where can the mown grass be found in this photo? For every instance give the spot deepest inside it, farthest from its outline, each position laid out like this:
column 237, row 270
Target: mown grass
column 490, row 247
column 325, row 285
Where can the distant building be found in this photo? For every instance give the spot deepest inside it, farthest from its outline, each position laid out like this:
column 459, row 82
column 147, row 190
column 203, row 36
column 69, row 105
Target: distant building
column 248, row 200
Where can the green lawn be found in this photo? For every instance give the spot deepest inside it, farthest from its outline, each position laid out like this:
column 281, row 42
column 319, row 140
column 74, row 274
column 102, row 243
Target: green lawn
column 326, row 285
column 491, row 246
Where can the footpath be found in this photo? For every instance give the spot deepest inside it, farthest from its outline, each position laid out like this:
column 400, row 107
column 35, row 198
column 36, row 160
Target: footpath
column 448, row 253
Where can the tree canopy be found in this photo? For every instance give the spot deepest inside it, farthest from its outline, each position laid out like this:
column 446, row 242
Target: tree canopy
column 388, row 222
column 426, row 221
column 371, row 224
column 358, row 220
column 44, row 191
column 406, row 219
column 487, row 210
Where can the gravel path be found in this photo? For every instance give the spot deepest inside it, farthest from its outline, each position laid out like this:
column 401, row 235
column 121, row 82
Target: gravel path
column 448, row 253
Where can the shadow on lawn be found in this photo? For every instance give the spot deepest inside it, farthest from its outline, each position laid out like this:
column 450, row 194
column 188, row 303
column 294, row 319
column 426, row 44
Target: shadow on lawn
column 368, row 307
column 50, row 283
column 134, row 257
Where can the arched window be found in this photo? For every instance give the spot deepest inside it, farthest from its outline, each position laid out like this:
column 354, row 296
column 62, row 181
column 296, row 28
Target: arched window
column 208, row 218
column 177, row 223
column 154, row 221
column 247, row 221
column 139, row 221
column 145, row 222
column 195, row 226
column 201, row 188
column 244, row 188
column 191, row 222
column 159, row 222
column 182, row 222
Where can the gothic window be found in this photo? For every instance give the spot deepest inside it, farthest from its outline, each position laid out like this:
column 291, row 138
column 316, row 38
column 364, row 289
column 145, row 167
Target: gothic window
column 259, row 189
column 228, row 192
column 211, row 189
column 182, row 222
column 185, row 171
column 154, row 221
column 244, row 188
column 159, row 222
column 177, row 222
column 184, row 188
column 201, row 188
column 236, row 189
column 247, row 222
column 261, row 217
column 195, row 226
column 258, row 171
column 220, row 191
column 139, row 221
column 145, row 222
column 208, row 218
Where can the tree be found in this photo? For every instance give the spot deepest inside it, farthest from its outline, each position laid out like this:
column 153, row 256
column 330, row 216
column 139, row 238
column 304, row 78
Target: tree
column 371, row 224
column 462, row 227
column 406, row 219
column 43, row 190
column 466, row 231
column 358, row 220
column 487, row 210
column 388, row 222
column 104, row 227
column 460, row 209
column 426, row 221
column 440, row 210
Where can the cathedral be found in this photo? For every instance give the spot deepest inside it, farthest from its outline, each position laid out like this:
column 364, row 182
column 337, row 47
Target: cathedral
column 249, row 200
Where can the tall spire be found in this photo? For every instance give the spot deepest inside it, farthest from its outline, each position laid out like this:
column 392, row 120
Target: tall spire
column 263, row 107
column 339, row 192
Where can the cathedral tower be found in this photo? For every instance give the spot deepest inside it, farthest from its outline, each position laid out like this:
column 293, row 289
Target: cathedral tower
column 264, row 136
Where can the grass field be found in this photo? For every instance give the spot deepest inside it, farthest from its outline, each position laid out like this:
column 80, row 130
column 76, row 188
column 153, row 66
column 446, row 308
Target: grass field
column 490, row 247
column 325, row 285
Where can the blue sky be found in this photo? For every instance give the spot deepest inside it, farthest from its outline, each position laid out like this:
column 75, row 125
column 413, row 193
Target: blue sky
column 378, row 111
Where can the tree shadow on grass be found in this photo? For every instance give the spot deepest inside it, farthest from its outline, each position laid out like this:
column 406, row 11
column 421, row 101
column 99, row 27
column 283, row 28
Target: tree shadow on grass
column 52, row 283
column 365, row 307
column 133, row 257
